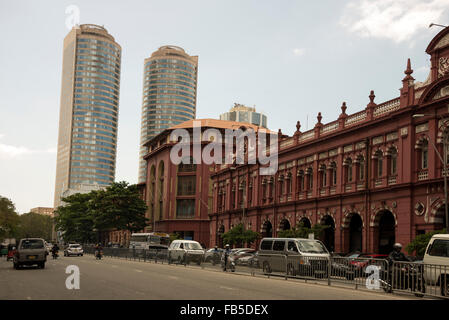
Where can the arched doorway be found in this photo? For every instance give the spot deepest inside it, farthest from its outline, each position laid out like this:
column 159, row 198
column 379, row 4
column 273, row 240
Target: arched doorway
column 220, row 233
column 305, row 222
column 284, row 225
column 440, row 218
column 355, row 233
column 267, row 229
column 386, row 232
column 329, row 233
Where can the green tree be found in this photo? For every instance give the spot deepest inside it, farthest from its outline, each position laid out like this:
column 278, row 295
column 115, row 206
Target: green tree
column 239, row 236
column 175, row 236
column 75, row 219
column 84, row 216
column 301, row 231
column 9, row 219
column 419, row 244
column 34, row 225
column 119, row 206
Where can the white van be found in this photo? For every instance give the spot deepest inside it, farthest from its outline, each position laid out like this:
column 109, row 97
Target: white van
column 436, row 260
column 295, row 256
column 183, row 251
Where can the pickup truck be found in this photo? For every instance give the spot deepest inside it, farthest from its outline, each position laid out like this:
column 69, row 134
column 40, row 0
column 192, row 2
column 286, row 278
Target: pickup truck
column 436, row 260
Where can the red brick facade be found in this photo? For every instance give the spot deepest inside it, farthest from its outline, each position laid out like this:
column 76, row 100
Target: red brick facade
column 373, row 176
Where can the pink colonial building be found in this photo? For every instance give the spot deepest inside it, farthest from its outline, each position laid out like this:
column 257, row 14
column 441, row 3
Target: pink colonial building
column 179, row 196
column 373, row 176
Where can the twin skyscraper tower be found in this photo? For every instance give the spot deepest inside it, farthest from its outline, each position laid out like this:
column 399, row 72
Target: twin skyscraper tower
column 90, row 90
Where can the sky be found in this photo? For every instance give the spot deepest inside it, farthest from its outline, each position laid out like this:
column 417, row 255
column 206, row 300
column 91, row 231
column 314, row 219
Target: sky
column 289, row 59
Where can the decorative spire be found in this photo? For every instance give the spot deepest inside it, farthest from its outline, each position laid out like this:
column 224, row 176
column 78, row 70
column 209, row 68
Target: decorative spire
column 343, row 108
column 298, row 126
column 319, row 117
column 408, row 71
column 280, row 132
column 371, row 97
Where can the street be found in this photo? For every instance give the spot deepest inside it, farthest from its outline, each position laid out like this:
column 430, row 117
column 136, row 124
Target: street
column 112, row 278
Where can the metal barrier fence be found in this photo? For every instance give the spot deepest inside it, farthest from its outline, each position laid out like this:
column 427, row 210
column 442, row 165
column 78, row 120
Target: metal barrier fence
column 359, row 273
column 420, row 279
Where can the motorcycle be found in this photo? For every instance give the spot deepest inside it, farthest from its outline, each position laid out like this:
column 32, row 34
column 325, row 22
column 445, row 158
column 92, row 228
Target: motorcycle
column 404, row 276
column 98, row 254
column 54, row 254
column 227, row 262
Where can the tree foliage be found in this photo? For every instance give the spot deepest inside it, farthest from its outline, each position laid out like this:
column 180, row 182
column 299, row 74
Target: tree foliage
column 119, row 207
column 301, row 231
column 239, row 236
column 9, row 219
column 419, row 244
column 34, row 225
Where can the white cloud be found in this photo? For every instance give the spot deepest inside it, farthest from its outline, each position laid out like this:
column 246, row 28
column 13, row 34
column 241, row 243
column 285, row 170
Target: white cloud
column 397, row 20
column 298, row 51
column 10, row 152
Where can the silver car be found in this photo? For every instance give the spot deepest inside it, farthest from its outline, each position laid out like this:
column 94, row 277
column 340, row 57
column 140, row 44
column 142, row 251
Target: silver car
column 293, row 256
column 30, row 251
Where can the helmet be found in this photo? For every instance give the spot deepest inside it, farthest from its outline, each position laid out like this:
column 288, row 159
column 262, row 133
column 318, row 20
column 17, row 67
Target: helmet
column 397, row 245
column 227, row 246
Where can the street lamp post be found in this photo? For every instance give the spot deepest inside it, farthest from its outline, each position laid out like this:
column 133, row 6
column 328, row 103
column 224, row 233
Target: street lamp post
column 443, row 159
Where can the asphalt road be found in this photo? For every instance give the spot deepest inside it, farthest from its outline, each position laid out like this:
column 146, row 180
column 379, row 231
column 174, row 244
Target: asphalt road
column 112, row 278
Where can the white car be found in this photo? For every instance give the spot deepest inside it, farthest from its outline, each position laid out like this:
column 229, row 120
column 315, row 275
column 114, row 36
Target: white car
column 183, row 251
column 73, row 250
column 436, row 262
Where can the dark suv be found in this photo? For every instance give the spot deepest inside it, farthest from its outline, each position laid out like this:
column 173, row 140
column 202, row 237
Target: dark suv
column 30, row 251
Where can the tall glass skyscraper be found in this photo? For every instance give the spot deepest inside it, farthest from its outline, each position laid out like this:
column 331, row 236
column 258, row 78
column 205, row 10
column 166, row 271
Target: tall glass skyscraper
column 169, row 94
column 87, row 140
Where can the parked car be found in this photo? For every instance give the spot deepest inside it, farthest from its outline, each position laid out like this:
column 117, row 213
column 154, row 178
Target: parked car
column 305, row 257
column 30, row 251
column 183, row 251
column 209, row 255
column 73, row 249
column 360, row 263
column 437, row 254
column 244, row 258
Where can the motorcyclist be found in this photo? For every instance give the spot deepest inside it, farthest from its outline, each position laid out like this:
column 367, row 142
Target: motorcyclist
column 55, row 249
column 397, row 254
column 98, row 250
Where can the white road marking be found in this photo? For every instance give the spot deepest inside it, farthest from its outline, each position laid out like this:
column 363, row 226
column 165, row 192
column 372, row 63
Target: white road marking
column 227, row 288
column 137, row 270
column 173, row 277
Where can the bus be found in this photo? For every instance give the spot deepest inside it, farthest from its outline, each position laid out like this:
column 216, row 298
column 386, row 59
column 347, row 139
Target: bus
column 152, row 240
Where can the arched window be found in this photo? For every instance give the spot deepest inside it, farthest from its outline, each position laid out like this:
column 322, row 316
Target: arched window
column 379, row 163
column 310, row 178
column 323, row 173
column 334, row 173
column 348, row 169
column 361, row 167
column 424, row 154
column 300, row 176
column 393, row 161
column 281, row 185
column 289, row 183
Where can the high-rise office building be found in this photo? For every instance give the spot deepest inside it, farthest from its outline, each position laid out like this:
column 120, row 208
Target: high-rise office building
column 169, row 94
column 87, row 140
column 241, row 113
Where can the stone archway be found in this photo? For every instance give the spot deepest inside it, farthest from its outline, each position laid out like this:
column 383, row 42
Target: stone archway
column 386, row 231
column 439, row 217
column 355, row 233
column 284, row 225
column 306, row 222
column 329, row 233
column 267, row 229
